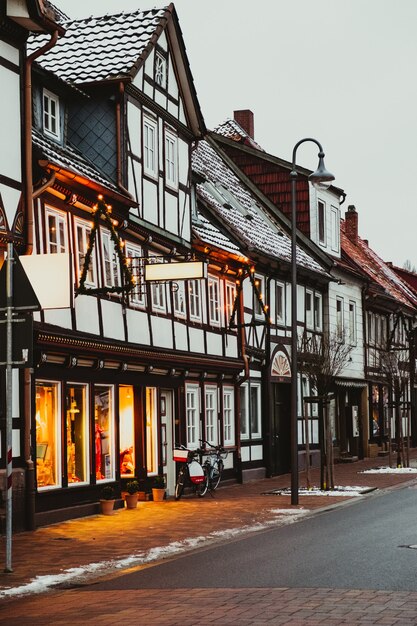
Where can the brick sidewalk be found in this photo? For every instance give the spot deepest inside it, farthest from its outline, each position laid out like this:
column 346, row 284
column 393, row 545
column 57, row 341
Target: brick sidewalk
column 195, row 521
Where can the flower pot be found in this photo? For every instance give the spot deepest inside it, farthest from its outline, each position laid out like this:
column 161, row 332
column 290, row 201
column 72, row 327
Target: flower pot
column 107, row 506
column 131, row 500
column 158, row 494
column 142, row 496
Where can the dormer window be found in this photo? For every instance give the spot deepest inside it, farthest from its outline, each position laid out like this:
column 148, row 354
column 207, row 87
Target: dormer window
column 51, row 126
column 160, row 70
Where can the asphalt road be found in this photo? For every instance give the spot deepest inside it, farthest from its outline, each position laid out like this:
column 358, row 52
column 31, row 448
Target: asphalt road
column 361, row 546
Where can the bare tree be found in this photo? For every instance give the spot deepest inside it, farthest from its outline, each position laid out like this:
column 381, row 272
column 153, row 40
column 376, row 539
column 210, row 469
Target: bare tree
column 322, row 358
column 395, row 365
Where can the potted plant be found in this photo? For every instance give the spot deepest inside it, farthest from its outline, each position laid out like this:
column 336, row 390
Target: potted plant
column 143, row 493
column 158, row 488
column 131, row 498
column 107, row 500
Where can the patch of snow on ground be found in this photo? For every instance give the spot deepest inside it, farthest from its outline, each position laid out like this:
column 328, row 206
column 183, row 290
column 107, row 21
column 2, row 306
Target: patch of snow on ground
column 315, row 491
column 391, row 470
column 81, row 574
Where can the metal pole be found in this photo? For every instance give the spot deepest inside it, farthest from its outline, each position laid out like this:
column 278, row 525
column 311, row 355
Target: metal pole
column 9, row 408
column 293, row 424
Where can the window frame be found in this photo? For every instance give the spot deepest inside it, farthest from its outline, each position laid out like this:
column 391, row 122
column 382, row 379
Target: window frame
column 229, row 424
column 195, row 299
column 309, row 312
column 280, row 318
column 211, row 392
column 86, row 228
column 321, row 222
column 61, row 218
column 50, row 97
column 171, row 159
column 161, row 62
column 178, row 300
column 192, row 411
column 230, row 297
column 150, row 148
column 213, row 300
column 318, row 311
column 340, row 317
column 352, row 323
column 109, row 263
column 137, row 295
column 257, row 307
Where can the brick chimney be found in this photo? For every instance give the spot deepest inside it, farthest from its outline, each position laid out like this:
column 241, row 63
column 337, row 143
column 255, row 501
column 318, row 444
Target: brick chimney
column 351, row 224
column 245, row 120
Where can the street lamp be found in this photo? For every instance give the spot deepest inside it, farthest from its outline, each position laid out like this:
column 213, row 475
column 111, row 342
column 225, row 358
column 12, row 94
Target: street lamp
column 321, row 179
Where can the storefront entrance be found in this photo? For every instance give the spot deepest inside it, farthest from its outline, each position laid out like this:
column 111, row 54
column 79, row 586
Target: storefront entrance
column 280, row 429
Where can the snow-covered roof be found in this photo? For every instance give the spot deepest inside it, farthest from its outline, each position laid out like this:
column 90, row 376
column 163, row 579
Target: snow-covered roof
column 101, row 48
column 377, row 270
column 70, row 159
column 210, row 235
column 236, row 208
column 232, row 130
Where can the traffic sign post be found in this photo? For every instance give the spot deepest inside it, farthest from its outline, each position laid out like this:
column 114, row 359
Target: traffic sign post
column 22, row 298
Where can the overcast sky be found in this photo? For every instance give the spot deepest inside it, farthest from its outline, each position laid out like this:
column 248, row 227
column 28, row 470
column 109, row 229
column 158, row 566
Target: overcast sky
column 341, row 71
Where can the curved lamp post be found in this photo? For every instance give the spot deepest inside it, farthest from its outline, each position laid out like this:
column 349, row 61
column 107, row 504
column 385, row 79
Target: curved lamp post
column 321, row 179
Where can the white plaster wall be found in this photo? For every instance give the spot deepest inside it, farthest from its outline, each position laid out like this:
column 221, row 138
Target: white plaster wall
column 256, row 453
column 231, row 346
column 86, row 314
column 245, row 454
column 138, row 80
column 134, row 121
column 183, row 161
column 59, row 317
column 180, row 330
column 10, row 158
column 182, row 117
column 162, row 332
column 196, row 340
column 137, row 327
column 214, row 344
column 162, row 41
column 185, row 220
column 160, row 99
column 112, row 316
column 171, row 213
column 150, row 202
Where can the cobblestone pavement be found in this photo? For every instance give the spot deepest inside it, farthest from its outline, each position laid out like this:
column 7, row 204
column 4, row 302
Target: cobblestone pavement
column 52, row 550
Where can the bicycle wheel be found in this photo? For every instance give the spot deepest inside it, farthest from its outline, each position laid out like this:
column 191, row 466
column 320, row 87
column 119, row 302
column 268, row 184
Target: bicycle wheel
column 201, row 489
column 216, row 474
column 179, row 487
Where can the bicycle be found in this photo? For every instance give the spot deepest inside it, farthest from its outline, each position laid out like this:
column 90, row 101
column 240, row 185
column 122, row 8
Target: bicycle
column 191, row 472
column 214, row 464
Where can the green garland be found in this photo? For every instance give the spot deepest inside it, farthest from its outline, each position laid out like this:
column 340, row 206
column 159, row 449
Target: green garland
column 102, row 210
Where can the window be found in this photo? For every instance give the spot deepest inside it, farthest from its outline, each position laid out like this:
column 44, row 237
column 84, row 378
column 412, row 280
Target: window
column 257, row 307
column 48, row 435
column 150, row 160
column 309, row 309
column 160, row 70
column 77, row 429
column 192, row 411
column 104, row 432
column 134, row 253
column 127, row 431
column 280, row 303
column 335, row 228
column 211, row 414
column 339, row 318
column 179, row 299
column 51, row 124
column 194, row 298
column 318, row 316
column 352, row 323
column 56, row 231
column 255, row 409
column 110, row 260
column 371, row 327
column 171, row 160
column 158, row 298
column 83, row 230
column 321, row 218
column 228, row 416
column 151, row 431
column 244, row 412
column 214, row 300
column 230, row 300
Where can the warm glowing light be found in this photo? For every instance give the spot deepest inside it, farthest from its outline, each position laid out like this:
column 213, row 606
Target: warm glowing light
column 175, row 271
column 100, row 197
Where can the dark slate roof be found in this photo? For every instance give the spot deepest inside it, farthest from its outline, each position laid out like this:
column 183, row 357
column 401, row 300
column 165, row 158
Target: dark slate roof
column 375, row 269
column 70, row 159
column 246, row 219
column 101, row 48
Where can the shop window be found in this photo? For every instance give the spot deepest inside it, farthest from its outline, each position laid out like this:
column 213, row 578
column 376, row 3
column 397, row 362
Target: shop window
column 48, row 435
column 228, row 416
column 56, row 231
column 126, row 431
column 104, row 432
column 83, row 230
column 211, row 414
column 151, row 431
column 192, row 415
column 214, row 300
column 77, row 434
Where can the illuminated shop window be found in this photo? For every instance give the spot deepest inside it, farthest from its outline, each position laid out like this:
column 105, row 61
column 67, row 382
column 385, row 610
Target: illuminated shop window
column 104, row 432
column 127, row 431
column 77, row 434
column 151, row 431
column 48, row 435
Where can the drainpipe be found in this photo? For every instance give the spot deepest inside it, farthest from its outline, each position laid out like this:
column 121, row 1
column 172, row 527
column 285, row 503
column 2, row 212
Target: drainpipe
column 28, row 139
column 240, row 320
column 28, row 203
column 119, row 140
